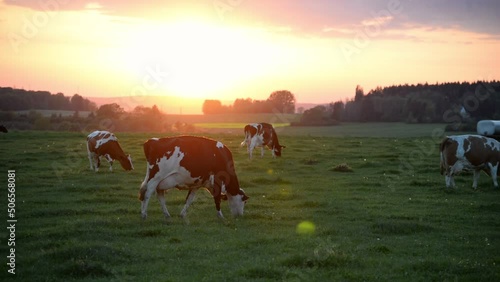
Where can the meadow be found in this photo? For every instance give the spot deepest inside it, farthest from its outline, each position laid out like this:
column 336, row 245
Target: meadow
column 389, row 219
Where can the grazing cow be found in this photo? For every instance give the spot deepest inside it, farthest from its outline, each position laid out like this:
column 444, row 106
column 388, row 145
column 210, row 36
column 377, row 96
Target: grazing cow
column 261, row 134
column 3, row 129
column 469, row 152
column 190, row 163
column 104, row 143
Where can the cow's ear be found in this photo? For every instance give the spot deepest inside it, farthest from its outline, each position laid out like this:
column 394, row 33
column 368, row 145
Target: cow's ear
column 283, row 146
column 244, row 198
column 223, row 197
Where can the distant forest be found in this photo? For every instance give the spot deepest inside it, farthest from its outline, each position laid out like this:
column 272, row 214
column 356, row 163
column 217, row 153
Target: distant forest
column 457, row 103
column 19, row 100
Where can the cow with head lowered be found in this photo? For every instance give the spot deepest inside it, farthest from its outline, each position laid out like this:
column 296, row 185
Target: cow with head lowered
column 260, row 135
column 190, row 163
column 104, row 143
column 469, row 152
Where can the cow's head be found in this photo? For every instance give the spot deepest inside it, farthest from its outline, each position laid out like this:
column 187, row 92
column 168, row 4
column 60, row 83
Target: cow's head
column 126, row 162
column 277, row 150
column 236, row 202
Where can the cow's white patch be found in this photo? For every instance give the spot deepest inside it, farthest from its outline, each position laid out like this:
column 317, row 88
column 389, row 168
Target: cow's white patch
column 494, row 146
column 236, row 204
column 154, row 138
column 211, row 180
column 223, row 188
column 95, row 133
column 219, row 145
column 460, row 146
column 103, row 140
column 171, row 174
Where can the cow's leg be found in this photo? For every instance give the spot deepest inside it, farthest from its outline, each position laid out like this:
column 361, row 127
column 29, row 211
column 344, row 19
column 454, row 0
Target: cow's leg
column 262, row 151
column 447, row 179
column 90, row 161
column 217, row 206
column 494, row 171
column 90, row 154
column 477, row 173
column 189, row 200
column 451, row 171
column 97, row 162
column 450, row 182
column 250, row 149
column 110, row 161
column 160, row 194
column 151, row 187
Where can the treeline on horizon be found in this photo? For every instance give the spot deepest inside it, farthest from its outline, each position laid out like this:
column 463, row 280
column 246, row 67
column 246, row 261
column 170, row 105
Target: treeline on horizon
column 13, row 99
column 455, row 102
column 460, row 104
column 281, row 101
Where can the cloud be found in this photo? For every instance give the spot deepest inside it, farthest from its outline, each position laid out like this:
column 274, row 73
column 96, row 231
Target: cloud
column 306, row 17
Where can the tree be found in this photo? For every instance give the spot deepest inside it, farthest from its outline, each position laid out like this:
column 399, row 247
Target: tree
column 358, row 97
column 112, row 110
column 211, row 107
column 77, row 103
column 59, row 102
column 319, row 115
column 338, row 110
column 283, row 101
column 243, row 105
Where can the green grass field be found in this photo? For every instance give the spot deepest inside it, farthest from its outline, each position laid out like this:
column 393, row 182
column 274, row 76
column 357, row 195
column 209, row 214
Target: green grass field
column 390, row 219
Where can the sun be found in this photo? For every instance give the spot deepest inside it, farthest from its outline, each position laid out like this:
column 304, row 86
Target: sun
column 201, row 58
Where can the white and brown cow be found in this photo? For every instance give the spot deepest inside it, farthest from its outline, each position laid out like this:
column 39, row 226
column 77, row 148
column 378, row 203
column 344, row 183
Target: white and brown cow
column 260, row 135
column 469, row 152
column 190, row 163
column 104, row 143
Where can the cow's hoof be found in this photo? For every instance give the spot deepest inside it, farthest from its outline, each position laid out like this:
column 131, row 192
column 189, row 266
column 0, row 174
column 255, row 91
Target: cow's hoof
column 144, row 216
column 219, row 215
column 183, row 214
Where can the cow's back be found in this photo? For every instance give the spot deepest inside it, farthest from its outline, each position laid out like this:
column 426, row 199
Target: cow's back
column 199, row 155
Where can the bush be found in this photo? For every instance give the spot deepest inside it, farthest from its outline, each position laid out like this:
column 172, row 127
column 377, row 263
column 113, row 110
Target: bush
column 41, row 123
column 343, row 167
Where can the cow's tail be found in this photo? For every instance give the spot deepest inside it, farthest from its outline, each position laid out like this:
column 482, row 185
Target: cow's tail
column 442, row 147
column 144, row 184
column 245, row 141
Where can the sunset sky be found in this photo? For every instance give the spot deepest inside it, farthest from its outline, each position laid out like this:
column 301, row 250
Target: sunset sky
column 319, row 50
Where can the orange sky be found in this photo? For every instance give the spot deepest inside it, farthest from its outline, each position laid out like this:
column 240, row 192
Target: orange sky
column 227, row 49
